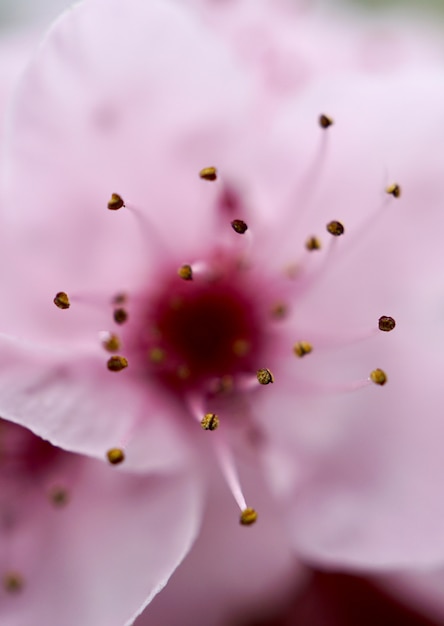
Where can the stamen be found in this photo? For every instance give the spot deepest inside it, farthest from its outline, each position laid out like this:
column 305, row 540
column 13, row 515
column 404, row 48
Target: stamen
column 183, row 372
column 13, row 582
column 335, row 228
column 120, row 315
column 228, row 469
column 61, row 300
column 386, row 323
column 301, row 348
column 185, row 272
column 239, row 226
column 59, row 496
column 115, row 456
column 313, row 243
column 117, row 363
column 394, row 190
column 210, row 421
column 208, row 173
column 241, row 347
column 120, row 298
column 279, row 311
column 110, row 342
column 157, row 355
column 378, row 377
column 116, row 202
column 248, row 517
column 325, row 121
column 265, row 377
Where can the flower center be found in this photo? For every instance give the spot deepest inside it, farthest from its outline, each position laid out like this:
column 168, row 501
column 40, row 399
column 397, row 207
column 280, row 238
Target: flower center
column 194, row 331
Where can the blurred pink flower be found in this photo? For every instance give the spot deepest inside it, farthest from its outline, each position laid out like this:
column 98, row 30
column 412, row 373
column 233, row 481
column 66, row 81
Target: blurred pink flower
column 76, row 538
column 136, row 100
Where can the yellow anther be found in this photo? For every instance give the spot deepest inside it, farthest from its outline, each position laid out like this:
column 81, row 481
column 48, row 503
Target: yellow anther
column 120, row 315
column 62, row 301
column 313, row 243
column 185, row 272
column 386, row 323
column 301, row 348
column 265, row 377
column 248, row 517
column 241, row 347
column 208, row 173
column 157, row 355
column 116, row 202
column 115, row 456
column 325, row 121
column 378, row 376
column 239, row 226
column 59, row 496
column 117, row 363
column 13, row 582
column 394, row 190
column 210, row 421
column 111, row 342
column 335, row 228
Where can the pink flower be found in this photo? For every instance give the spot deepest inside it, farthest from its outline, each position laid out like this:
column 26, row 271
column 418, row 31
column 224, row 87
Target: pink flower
column 203, row 287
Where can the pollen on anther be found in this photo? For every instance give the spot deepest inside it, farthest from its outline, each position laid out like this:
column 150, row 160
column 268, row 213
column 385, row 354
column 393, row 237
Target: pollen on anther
column 239, row 226
column 265, row 377
column 378, row 377
column 120, row 315
column 185, row 272
column 279, row 311
column 335, row 228
column 241, row 347
column 210, row 421
column 111, row 342
column 13, row 582
column 156, row 355
column 208, row 173
column 116, row 202
column 313, row 243
column 394, row 190
column 325, row 121
column 386, row 323
column 248, row 517
column 61, row 300
column 117, row 363
column 115, row 456
column 301, row 348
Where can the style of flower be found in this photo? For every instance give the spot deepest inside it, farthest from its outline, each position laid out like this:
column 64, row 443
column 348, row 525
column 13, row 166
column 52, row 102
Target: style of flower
column 224, row 262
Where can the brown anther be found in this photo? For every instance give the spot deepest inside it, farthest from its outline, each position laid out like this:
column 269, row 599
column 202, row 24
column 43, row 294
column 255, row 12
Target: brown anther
column 224, row 384
column 62, row 301
column 210, row 421
column 279, row 311
column 116, row 202
column 264, row 376
column 386, row 323
column 248, row 517
column 301, row 348
column 120, row 298
column 13, row 582
column 156, row 355
column 378, row 377
column 120, row 315
column 185, row 272
column 335, row 228
column 325, row 121
column 313, row 243
column 117, row 363
column 59, row 496
column 239, row 226
column 394, row 190
column 115, row 456
column 241, row 347
column 208, row 173
column 111, row 343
